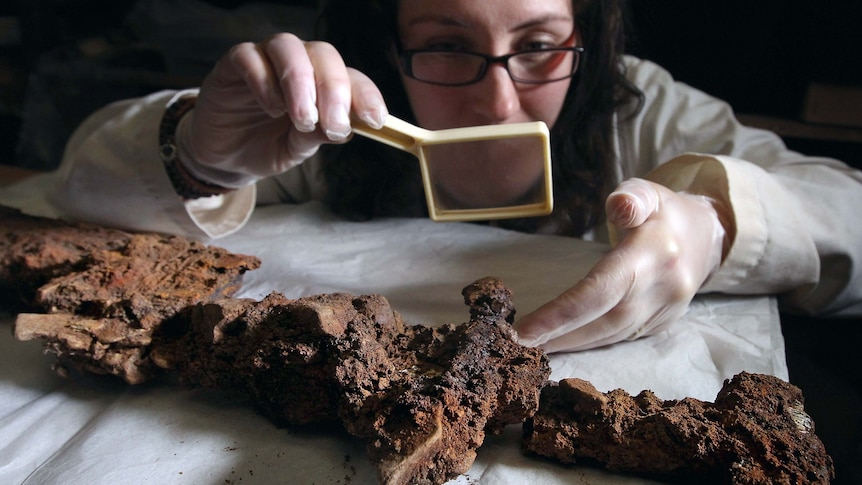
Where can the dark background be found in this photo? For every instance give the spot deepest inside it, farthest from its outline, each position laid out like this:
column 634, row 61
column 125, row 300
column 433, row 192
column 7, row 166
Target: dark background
column 760, row 56
column 73, row 56
column 62, row 59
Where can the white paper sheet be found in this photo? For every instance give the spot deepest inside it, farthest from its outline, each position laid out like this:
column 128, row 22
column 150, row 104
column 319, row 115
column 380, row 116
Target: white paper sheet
column 97, row 431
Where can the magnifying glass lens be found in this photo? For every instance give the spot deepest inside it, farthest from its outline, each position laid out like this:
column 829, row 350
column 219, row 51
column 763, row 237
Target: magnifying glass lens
column 487, row 174
column 477, row 172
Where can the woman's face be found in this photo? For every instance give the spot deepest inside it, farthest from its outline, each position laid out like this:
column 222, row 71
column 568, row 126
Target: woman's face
column 492, row 27
column 495, row 28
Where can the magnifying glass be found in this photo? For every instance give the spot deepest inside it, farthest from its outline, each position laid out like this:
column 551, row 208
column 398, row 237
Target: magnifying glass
column 477, row 172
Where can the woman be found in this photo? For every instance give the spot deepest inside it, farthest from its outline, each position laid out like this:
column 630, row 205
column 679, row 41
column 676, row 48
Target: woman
column 695, row 201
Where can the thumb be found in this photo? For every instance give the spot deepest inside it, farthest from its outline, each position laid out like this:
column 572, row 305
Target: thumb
column 631, row 204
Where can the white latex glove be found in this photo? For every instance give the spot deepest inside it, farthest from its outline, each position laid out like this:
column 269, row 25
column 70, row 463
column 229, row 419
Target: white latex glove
column 670, row 243
column 267, row 107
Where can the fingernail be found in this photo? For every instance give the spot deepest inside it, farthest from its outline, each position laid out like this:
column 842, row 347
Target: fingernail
column 338, row 127
column 375, row 117
column 307, row 124
column 308, row 116
column 623, row 208
column 527, row 340
column 337, row 135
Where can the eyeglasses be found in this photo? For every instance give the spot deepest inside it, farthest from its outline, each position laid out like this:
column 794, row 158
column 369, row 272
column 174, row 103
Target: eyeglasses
column 448, row 68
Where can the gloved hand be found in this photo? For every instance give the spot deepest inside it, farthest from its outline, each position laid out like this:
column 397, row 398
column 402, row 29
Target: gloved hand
column 669, row 244
column 268, row 107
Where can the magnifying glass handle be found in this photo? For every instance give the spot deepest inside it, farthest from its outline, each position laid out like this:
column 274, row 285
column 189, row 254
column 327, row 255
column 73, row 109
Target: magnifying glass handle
column 395, row 132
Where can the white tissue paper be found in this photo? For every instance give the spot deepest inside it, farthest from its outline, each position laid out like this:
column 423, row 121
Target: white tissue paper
column 95, row 430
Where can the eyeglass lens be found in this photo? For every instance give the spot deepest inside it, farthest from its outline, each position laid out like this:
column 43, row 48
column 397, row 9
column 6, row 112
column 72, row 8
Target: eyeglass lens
column 463, row 68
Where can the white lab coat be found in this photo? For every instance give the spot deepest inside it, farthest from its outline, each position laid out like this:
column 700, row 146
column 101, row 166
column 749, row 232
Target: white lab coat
column 797, row 224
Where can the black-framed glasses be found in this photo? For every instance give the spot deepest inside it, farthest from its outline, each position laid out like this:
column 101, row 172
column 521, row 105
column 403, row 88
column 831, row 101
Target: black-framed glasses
column 455, row 68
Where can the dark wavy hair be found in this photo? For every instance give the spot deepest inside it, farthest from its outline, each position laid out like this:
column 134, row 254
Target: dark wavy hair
column 368, row 179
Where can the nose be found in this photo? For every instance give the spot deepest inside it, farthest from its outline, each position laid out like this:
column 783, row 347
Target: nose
column 496, row 95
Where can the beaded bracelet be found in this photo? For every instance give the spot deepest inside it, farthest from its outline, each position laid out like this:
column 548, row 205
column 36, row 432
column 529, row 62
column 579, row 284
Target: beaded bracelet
column 185, row 184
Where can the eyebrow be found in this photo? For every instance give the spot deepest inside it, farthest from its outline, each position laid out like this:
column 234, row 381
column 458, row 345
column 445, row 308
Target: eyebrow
column 455, row 22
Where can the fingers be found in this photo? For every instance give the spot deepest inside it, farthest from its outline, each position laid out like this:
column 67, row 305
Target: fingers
column 332, row 84
column 616, row 326
column 368, row 103
column 309, row 83
column 597, row 334
column 603, row 289
column 250, row 64
column 294, row 75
